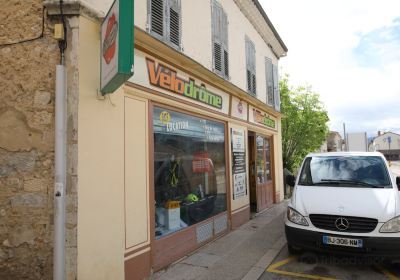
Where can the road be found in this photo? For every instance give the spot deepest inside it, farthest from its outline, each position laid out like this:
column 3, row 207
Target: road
column 327, row 267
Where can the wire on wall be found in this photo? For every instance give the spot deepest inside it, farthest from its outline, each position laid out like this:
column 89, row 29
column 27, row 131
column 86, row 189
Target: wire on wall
column 30, row 39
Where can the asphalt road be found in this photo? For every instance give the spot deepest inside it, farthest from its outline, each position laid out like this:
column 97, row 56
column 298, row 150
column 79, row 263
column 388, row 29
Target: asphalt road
column 327, row 267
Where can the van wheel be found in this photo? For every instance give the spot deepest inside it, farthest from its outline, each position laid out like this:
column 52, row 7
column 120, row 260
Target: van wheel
column 292, row 250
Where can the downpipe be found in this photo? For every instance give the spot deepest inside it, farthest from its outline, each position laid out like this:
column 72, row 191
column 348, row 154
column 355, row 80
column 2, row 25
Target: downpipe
column 60, row 172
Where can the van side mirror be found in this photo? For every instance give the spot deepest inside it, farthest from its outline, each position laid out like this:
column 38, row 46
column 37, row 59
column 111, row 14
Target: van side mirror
column 398, row 182
column 291, row 180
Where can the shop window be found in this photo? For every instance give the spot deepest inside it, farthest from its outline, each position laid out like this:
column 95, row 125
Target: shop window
column 189, row 170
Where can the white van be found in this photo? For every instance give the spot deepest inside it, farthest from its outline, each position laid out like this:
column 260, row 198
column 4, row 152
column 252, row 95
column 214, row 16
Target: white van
column 347, row 202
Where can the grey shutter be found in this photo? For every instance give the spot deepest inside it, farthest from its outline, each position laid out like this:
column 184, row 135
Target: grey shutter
column 174, row 22
column 224, row 35
column 276, row 88
column 216, row 36
column 250, row 67
column 157, row 18
column 270, row 82
column 219, row 25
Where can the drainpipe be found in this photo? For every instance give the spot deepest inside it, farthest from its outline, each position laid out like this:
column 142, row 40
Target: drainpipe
column 59, row 271
column 60, row 173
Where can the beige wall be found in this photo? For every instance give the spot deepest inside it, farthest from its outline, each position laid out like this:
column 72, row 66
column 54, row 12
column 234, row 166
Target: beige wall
column 101, row 231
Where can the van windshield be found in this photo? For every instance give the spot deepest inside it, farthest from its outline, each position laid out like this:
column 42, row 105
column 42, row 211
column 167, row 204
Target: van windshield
column 347, row 171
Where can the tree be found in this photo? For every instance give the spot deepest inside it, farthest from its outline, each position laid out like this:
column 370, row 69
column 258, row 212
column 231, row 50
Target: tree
column 304, row 123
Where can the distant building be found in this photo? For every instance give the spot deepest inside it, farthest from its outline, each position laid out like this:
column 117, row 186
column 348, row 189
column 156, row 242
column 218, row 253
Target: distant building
column 388, row 144
column 333, row 143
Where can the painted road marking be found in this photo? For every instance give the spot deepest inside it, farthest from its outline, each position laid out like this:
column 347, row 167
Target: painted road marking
column 273, row 268
column 388, row 274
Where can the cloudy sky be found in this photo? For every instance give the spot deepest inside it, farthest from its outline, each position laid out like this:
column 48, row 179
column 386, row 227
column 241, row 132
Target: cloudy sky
column 349, row 52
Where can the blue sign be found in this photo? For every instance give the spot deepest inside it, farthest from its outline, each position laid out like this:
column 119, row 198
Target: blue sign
column 389, row 139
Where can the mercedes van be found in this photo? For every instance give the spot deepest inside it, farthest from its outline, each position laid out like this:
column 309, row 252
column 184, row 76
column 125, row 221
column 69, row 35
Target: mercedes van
column 344, row 202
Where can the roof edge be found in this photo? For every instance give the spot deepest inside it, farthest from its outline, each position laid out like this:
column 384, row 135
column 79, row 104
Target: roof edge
column 268, row 21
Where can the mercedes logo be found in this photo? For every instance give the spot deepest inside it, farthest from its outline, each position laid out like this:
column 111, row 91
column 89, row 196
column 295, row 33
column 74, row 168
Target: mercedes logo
column 342, row 224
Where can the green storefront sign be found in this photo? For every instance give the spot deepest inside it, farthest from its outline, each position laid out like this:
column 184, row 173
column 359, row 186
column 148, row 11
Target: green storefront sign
column 117, row 47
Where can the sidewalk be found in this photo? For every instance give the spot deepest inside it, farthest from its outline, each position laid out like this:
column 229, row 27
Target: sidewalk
column 244, row 252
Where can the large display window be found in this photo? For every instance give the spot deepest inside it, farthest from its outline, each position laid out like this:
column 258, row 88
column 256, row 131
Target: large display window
column 189, row 170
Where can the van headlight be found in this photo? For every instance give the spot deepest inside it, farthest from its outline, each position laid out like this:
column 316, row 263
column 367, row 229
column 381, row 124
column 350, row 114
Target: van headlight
column 296, row 217
column 391, row 226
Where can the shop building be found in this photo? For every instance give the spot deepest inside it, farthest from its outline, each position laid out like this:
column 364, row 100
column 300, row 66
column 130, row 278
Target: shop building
column 182, row 152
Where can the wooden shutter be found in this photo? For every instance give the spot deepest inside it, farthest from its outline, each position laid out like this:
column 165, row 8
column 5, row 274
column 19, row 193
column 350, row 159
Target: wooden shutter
column 270, row 82
column 276, row 88
column 219, row 25
column 157, row 18
column 224, row 40
column 174, row 22
column 251, row 67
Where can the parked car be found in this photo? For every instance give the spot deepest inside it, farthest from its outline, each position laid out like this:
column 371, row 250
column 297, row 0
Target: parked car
column 345, row 202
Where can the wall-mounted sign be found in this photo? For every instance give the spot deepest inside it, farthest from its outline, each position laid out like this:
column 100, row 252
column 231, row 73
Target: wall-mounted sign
column 239, row 109
column 262, row 118
column 154, row 74
column 239, row 181
column 116, row 46
column 166, row 78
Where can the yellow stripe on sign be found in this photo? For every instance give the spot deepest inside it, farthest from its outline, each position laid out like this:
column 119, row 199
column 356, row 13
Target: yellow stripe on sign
column 273, row 269
column 388, row 274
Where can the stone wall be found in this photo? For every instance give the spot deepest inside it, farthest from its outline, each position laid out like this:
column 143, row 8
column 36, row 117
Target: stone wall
column 27, row 85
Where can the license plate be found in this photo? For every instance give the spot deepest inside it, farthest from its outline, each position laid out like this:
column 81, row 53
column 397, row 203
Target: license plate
column 342, row 241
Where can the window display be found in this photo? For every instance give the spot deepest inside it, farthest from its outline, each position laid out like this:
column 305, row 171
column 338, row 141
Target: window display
column 189, row 170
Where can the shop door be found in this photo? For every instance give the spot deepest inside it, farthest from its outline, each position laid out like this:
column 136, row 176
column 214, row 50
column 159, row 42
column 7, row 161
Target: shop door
column 263, row 178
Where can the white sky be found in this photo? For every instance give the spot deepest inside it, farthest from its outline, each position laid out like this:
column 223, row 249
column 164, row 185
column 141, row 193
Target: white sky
column 349, row 52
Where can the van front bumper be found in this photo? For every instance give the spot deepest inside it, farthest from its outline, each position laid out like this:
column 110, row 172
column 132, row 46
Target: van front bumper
column 372, row 246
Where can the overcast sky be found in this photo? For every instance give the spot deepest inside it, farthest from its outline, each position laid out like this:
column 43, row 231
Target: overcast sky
column 349, row 52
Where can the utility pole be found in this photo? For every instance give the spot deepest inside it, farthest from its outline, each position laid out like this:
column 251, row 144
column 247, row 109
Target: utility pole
column 344, row 136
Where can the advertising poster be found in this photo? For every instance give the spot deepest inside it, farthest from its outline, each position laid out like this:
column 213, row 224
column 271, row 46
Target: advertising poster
column 238, row 163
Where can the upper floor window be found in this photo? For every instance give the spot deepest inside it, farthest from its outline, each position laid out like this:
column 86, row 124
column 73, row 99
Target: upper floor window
column 164, row 17
column 250, row 66
column 273, row 96
column 219, row 25
column 270, row 81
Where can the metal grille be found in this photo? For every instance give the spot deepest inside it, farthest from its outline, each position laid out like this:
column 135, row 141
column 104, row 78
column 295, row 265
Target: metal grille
column 157, row 17
column 226, row 63
column 220, row 224
column 356, row 224
column 204, row 232
column 217, row 57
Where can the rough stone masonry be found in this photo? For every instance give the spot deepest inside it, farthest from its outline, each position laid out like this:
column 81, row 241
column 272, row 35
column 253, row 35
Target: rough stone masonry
column 27, row 85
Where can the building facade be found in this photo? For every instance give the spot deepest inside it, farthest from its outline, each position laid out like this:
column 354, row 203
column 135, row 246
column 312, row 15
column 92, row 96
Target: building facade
column 387, row 143
column 177, row 156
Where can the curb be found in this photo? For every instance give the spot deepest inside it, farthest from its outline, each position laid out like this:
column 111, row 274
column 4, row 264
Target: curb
column 259, row 268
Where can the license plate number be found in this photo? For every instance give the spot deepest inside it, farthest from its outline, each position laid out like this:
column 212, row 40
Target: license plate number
column 342, row 241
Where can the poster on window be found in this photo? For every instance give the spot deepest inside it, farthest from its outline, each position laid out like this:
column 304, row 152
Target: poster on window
column 238, row 163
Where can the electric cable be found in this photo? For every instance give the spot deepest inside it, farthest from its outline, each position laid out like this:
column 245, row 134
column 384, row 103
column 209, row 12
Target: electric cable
column 62, row 44
column 31, row 39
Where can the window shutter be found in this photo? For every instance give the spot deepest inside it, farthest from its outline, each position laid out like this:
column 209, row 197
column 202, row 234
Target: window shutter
column 219, row 25
column 174, row 22
column 251, row 67
column 224, row 37
column 270, row 84
column 276, row 88
column 157, row 19
column 216, row 36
